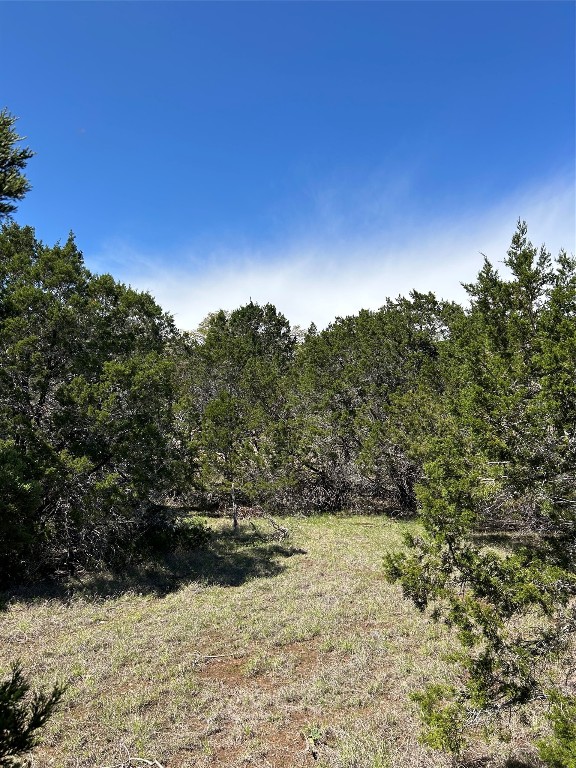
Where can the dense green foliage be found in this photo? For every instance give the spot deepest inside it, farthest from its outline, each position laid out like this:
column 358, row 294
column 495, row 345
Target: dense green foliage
column 502, row 460
column 234, row 375
column 360, row 393
column 86, row 392
column 13, row 159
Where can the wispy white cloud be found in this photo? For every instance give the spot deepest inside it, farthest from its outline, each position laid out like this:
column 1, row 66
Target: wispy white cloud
column 330, row 272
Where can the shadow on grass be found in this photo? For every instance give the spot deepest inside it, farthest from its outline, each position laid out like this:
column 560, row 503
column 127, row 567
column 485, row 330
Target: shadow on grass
column 511, row 762
column 229, row 559
column 509, row 541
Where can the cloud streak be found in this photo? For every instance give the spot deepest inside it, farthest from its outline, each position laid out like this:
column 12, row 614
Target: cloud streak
column 318, row 277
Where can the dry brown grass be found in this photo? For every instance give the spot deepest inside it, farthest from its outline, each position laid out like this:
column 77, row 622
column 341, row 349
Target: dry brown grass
column 281, row 655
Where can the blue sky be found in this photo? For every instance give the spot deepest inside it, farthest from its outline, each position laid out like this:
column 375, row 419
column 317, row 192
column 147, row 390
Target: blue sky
column 321, row 155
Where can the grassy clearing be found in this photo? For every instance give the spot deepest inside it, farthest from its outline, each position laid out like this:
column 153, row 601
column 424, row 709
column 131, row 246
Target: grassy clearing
column 253, row 652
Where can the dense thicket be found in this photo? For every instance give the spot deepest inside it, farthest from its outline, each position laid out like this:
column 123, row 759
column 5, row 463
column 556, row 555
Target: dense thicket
column 358, row 404
column 86, row 394
column 324, row 423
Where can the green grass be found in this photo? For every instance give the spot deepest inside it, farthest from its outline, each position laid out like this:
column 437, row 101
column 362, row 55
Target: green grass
column 253, row 652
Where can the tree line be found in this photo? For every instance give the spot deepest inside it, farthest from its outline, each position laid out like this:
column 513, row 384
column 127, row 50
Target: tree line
column 115, row 425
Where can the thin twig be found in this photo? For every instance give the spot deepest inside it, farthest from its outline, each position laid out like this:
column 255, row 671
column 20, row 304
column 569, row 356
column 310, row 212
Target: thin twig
column 133, row 760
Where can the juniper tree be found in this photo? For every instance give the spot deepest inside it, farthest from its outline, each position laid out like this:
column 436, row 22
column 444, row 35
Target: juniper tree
column 86, row 419
column 13, row 184
column 502, row 457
